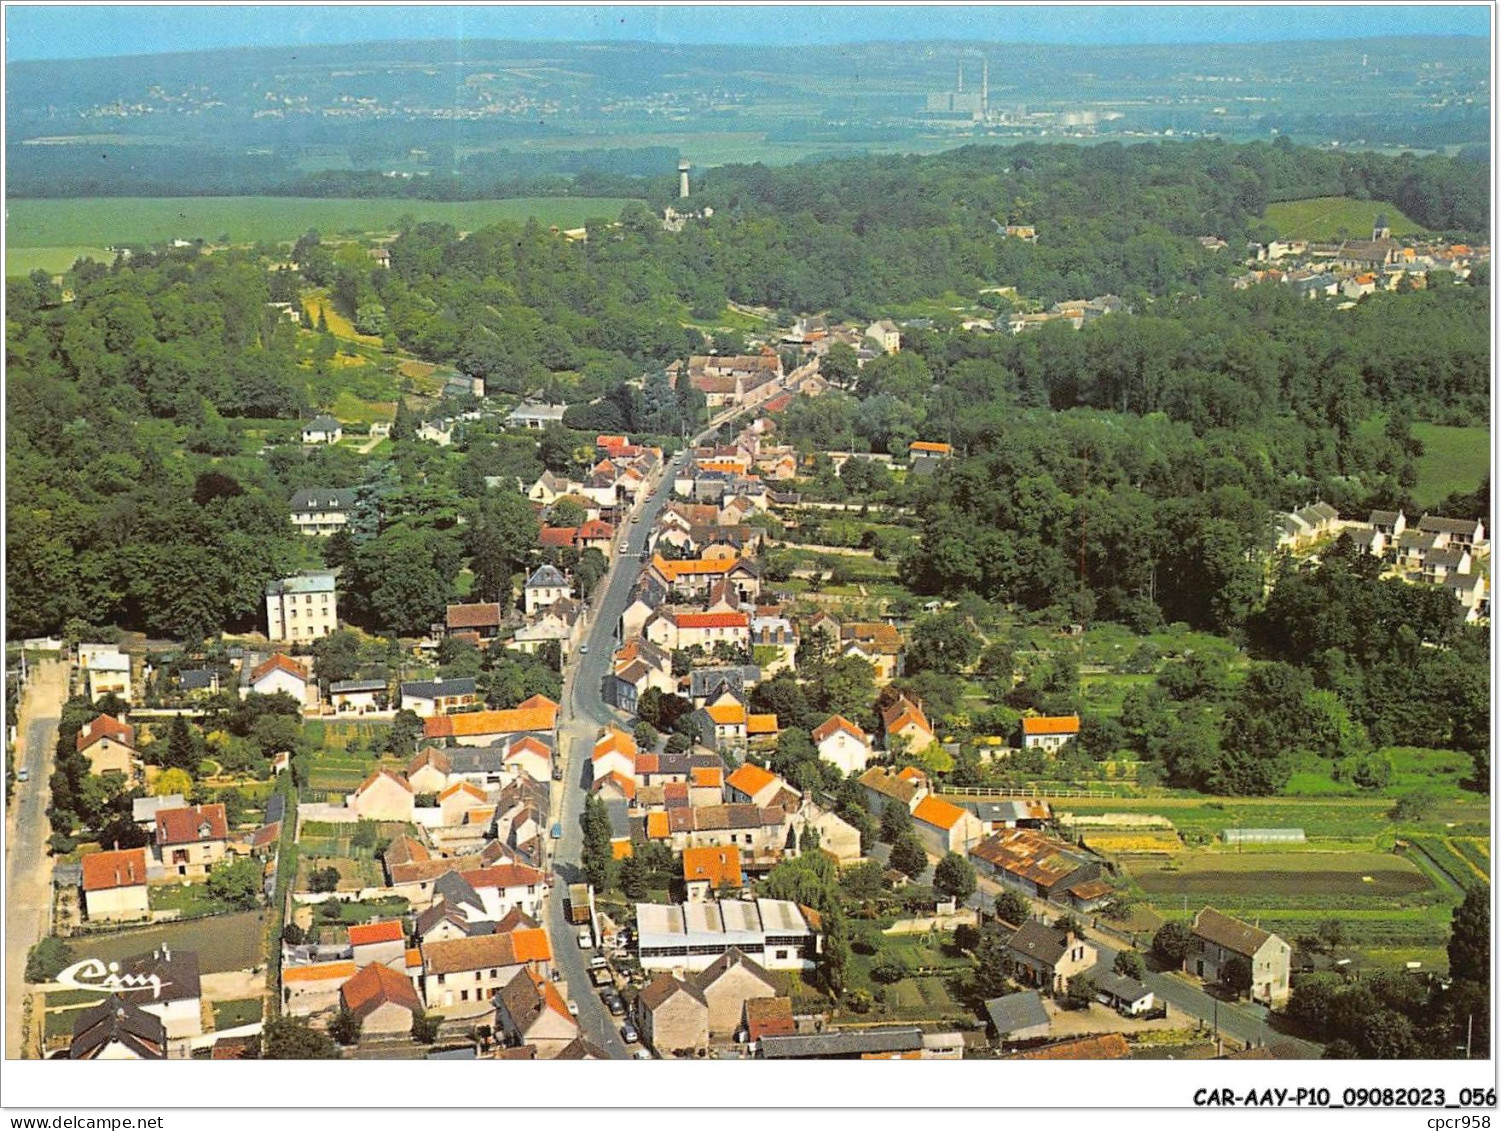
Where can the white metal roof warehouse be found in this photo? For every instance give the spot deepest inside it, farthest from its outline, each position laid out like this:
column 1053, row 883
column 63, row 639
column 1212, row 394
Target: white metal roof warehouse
column 690, row 936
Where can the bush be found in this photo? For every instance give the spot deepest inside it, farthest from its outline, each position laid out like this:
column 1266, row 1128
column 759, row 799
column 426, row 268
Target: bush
column 1171, row 943
column 425, row 1028
column 890, row 970
column 47, row 959
column 323, row 879
column 345, row 1027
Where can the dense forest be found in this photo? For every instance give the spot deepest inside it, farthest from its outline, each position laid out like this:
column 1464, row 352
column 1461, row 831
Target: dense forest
column 1170, row 431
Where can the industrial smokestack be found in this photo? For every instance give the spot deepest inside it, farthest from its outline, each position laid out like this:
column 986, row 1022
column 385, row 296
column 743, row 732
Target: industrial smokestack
column 683, row 168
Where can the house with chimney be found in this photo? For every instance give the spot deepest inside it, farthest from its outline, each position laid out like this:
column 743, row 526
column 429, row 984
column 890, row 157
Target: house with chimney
column 114, row 886
column 1218, row 939
column 109, row 745
column 191, row 840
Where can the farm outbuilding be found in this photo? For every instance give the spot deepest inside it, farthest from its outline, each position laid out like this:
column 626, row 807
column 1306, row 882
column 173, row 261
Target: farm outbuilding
column 1263, row 836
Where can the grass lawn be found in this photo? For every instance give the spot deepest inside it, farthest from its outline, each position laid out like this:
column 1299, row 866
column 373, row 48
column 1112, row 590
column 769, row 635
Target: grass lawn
column 223, row 942
column 53, row 260
column 349, row 408
column 316, row 303
column 241, row 1011
column 1335, row 217
column 106, row 221
column 188, row 899
column 1279, row 878
column 1453, row 460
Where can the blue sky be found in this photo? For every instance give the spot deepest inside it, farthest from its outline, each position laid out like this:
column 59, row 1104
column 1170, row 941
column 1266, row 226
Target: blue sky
column 57, row 32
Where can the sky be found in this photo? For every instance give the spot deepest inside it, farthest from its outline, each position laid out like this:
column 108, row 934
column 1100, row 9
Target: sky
column 81, row 32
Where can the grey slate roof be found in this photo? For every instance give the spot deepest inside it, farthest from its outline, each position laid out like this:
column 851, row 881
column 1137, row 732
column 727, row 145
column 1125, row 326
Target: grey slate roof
column 433, row 688
column 1016, row 1011
column 841, row 1044
column 546, row 577
column 324, row 499
column 354, row 685
column 198, row 679
column 457, row 891
column 276, row 807
column 1035, row 940
column 1118, row 985
column 322, row 423
column 115, row 1019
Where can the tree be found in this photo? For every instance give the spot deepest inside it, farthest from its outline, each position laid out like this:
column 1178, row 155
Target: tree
column 645, row 735
column 404, row 426
column 173, row 781
column 908, row 855
column 634, row 881
column 1331, row 934
column 896, row 819
column 990, row 964
column 866, row 880
column 406, row 729
column 1011, row 908
column 182, row 750
column 1129, row 963
column 324, row 880
column 955, row 877
column 47, row 959
column 1470, row 937
column 597, row 856
column 942, row 642
column 1171, row 943
column 345, row 1027
column 291, row 1038
column 1235, row 975
column 237, row 883
column 890, row 969
column 425, row 1028
column 1080, row 992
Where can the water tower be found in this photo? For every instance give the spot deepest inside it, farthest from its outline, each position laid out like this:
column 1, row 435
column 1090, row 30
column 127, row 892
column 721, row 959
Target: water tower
column 683, row 168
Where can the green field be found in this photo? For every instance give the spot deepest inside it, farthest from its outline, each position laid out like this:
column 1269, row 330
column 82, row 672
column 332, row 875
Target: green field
column 57, row 227
column 223, row 942
column 1453, row 460
column 1336, row 217
column 1280, row 879
column 53, row 260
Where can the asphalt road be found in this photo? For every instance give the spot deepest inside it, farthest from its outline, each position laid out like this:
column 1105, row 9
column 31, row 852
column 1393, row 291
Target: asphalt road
column 28, row 876
column 583, row 712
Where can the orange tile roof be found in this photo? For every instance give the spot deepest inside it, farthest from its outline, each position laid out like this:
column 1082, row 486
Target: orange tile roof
column 463, row 787
column 414, row 957
column 620, row 849
column 761, row 724
column 504, row 876
column 278, row 662
column 935, row 811
column 672, row 570
column 657, row 827
column 720, row 866
column 711, row 620
column 377, row 985
column 929, row 446
column 531, row 945
column 1051, row 724
column 615, row 740
column 727, row 714
column 318, row 971
column 835, row 723
column 750, row 779
column 182, row 826
column 1107, row 1046
column 105, row 870
column 105, row 726
column 707, row 776
column 536, row 714
column 364, row 934
column 911, row 773
column 376, row 775
column 627, row 786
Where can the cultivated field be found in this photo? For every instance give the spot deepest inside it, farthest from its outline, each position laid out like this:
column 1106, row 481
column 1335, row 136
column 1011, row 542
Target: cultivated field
column 53, row 260
column 89, row 224
column 1336, row 217
column 1278, row 878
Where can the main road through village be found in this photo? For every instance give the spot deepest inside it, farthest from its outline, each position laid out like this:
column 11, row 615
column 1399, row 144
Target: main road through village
column 583, row 712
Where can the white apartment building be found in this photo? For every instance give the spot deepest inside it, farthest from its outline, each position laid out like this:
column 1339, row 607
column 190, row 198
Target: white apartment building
column 301, row 607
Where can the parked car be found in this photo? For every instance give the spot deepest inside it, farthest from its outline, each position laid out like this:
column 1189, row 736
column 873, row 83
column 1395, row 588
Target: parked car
column 628, row 1033
column 635, row 518
column 573, row 1007
column 23, row 774
column 625, row 545
column 613, row 1002
column 584, row 647
column 642, row 1054
column 586, row 938
column 557, row 831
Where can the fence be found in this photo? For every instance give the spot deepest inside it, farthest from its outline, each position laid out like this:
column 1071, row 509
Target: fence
column 1031, row 791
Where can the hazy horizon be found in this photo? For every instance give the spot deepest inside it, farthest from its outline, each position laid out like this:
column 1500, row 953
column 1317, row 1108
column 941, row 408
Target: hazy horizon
column 113, row 32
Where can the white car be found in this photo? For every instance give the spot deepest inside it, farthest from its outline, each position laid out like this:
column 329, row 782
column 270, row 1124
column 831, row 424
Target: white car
column 573, row 1007
column 642, row 1054
column 625, row 545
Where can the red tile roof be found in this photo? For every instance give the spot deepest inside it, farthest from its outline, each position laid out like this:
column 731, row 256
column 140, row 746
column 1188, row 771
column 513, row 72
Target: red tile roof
column 365, row 934
column 536, row 714
column 106, row 726
column 750, row 779
column 278, row 662
column 720, row 866
column 711, row 620
column 105, row 870
column 557, row 537
column 485, row 615
column 375, row 776
column 835, row 723
column 187, row 826
column 377, row 985
column 935, row 811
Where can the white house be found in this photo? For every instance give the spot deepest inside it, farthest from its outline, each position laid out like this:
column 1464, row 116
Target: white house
column 320, row 511
column 843, row 744
column 278, row 674
column 544, row 587
column 322, row 429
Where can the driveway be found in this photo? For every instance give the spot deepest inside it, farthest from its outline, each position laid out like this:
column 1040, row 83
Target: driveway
column 28, row 873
